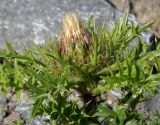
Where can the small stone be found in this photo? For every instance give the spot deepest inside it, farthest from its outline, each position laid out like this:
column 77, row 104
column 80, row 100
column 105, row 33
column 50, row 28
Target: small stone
column 109, row 102
column 25, row 110
column 105, row 122
column 3, row 100
column 76, row 96
column 104, row 96
column 118, row 94
column 24, row 106
column 2, row 114
column 2, row 106
column 13, row 117
column 24, row 96
column 122, row 5
column 11, row 106
column 10, row 93
column 109, row 99
column 40, row 120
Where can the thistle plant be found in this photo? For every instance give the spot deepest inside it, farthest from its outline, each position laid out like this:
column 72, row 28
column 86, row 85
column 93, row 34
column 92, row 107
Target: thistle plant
column 91, row 61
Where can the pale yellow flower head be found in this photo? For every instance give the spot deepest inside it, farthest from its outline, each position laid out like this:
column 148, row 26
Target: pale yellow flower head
column 72, row 31
column 71, row 26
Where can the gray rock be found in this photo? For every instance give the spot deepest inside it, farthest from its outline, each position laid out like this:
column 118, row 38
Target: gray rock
column 76, row 96
column 2, row 114
column 26, row 21
column 122, row 5
column 13, row 117
column 41, row 120
column 143, row 10
column 153, row 105
column 147, row 11
column 23, row 107
column 3, row 100
column 25, row 110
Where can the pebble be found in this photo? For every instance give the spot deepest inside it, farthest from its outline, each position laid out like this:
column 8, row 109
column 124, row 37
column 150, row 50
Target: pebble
column 13, row 117
column 3, row 100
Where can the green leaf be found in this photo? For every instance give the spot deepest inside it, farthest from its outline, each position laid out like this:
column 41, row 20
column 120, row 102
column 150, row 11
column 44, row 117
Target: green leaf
column 10, row 47
column 146, row 25
column 36, row 107
column 105, row 112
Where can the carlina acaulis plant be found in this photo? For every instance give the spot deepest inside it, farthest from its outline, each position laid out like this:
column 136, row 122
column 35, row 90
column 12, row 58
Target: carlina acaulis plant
column 73, row 36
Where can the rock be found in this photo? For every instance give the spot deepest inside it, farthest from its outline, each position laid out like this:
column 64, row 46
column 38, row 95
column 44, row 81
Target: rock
column 11, row 106
column 10, row 94
column 23, row 107
column 75, row 96
column 2, row 112
column 153, row 104
column 110, row 98
column 13, row 117
column 25, row 110
column 144, row 10
column 27, row 21
column 105, row 122
column 122, row 5
column 41, row 120
column 3, row 100
column 24, row 97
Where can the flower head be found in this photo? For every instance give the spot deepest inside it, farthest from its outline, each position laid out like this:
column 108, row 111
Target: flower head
column 73, row 34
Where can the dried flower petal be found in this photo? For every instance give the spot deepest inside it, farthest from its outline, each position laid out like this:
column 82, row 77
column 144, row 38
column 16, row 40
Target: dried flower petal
column 73, row 33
